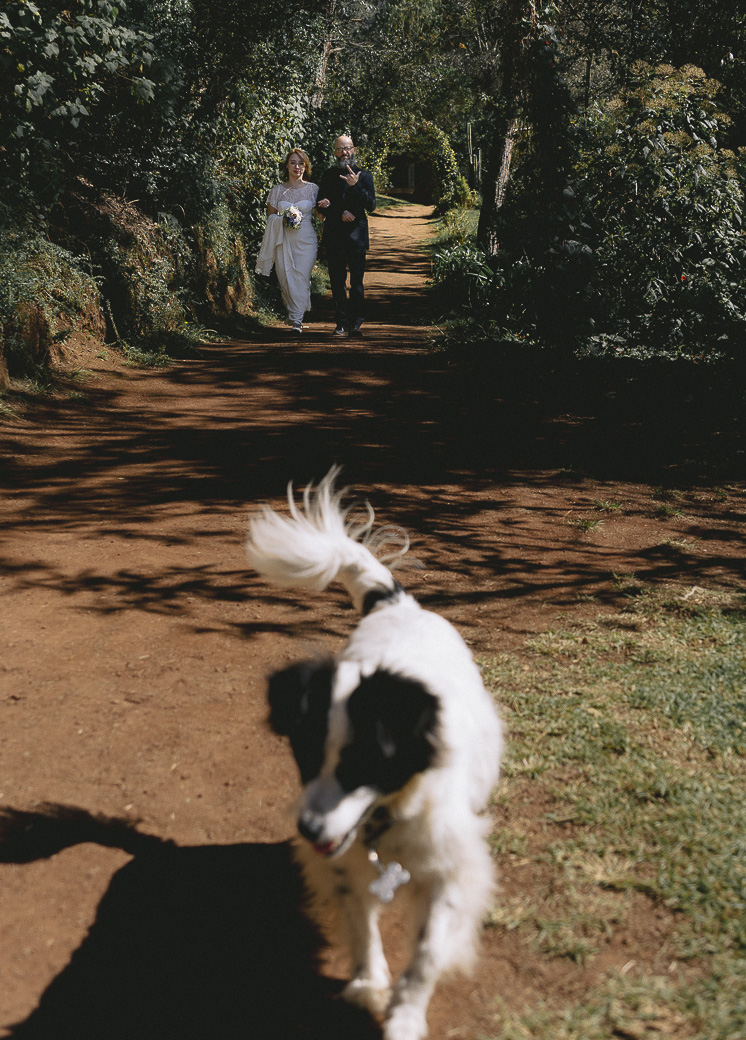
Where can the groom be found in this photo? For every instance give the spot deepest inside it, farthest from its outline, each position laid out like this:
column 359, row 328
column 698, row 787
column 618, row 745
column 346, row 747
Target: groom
column 345, row 193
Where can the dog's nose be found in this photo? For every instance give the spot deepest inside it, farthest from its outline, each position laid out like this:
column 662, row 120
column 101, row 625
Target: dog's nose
column 310, row 825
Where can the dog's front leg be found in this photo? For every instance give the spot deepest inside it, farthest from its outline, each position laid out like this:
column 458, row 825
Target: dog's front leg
column 370, row 986
column 445, row 924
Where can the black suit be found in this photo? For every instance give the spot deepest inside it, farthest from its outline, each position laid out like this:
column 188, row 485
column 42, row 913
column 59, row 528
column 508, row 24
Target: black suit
column 346, row 242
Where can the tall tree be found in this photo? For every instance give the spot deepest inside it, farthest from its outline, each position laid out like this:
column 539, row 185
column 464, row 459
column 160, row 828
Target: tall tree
column 515, row 30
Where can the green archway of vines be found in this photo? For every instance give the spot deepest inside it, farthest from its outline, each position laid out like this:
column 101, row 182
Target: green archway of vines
column 430, row 143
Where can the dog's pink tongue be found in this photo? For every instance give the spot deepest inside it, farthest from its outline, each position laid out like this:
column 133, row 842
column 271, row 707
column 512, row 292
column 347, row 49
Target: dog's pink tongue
column 327, row 849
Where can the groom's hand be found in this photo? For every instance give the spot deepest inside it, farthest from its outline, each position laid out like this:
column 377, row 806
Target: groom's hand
column 348, row 217
column 350, row 177
column 323, row 203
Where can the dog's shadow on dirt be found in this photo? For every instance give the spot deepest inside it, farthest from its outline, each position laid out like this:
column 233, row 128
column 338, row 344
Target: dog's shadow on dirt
column 188, row 942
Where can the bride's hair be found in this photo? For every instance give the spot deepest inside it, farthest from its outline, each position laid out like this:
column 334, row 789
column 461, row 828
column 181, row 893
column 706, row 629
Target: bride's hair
column 304, row 157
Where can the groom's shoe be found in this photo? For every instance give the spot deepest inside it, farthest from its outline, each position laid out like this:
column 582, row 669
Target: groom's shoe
column 341, row 330
column 356, row 331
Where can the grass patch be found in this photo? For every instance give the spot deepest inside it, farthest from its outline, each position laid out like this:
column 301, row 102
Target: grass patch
column 141, row 357
column 606, row 505
column 41, row 384
column 666, row 512
column 681, row 545
column 584, row 523
column 625, row 1008
column 456, row 227
column 6, row 409
column 630, row 731
column 384, row 202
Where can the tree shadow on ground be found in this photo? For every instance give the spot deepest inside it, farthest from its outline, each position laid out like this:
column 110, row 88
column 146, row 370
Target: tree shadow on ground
column 188, row 943
column 276, row 412
column 232, row 427
column 249, row 417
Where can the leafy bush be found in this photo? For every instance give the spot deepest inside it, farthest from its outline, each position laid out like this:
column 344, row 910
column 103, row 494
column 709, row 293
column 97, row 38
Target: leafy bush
column 44, row 291
column 263, row 119
column 641, row 254
column 220, row 280
column 57, row 64
column 663, row 205
column 464, row 278
column 480, row 302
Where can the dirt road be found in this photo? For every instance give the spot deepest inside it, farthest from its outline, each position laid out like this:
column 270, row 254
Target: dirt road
column 135, row 645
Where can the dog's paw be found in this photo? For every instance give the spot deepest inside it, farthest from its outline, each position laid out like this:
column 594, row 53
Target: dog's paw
column 366, row 994
column 405, row 1023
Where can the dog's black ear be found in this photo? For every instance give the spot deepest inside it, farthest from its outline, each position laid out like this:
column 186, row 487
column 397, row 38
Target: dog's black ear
column 287, row 690
column 394, row 722
column 299, row 701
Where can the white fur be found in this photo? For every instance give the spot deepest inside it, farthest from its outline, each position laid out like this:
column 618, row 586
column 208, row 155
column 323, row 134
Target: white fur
column 438, row 834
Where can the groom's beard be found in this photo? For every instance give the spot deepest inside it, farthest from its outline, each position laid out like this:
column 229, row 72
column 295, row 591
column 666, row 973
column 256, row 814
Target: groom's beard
column 341, row 163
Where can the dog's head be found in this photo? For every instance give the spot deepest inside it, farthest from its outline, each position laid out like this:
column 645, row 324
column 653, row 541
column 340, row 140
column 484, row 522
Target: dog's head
column 352, row 752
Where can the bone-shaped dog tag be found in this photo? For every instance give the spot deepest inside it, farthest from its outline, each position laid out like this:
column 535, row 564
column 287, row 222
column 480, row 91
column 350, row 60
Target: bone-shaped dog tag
column 390, row 877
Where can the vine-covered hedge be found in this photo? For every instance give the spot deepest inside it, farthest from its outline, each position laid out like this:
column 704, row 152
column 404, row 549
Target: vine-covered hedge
column 429, row 142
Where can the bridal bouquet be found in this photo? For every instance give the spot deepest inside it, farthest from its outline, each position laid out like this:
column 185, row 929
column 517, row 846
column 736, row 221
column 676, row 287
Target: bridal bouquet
column 292, row 217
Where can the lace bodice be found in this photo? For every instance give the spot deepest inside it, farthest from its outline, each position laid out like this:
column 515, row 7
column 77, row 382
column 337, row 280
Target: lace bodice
column 304, row 197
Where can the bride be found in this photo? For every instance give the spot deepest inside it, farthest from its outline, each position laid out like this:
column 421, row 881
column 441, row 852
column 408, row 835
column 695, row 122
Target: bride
column 290, row 241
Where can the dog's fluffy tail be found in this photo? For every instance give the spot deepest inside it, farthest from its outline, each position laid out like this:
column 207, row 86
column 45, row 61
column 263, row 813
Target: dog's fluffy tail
column 323, row 542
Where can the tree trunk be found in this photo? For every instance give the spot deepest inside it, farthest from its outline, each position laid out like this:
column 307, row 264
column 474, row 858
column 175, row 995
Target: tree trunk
column 496, row 183
column 319, row 83
column 521, row 18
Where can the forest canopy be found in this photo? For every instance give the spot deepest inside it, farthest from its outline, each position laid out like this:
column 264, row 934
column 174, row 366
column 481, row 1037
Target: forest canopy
column 602, row 147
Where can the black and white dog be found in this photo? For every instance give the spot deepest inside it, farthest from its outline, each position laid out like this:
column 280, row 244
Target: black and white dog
column 398, row 745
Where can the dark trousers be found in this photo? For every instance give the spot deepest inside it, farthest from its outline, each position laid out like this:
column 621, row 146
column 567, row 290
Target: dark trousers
column 348, row 308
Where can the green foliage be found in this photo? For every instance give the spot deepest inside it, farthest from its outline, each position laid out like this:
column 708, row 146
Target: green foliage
column 481, row 301
column 219, row 278
column 394, row 64
column 58, row 62
column 641, row 254
column 604, row 42
column 159, row 277
column 428, row 142
column 540, row 263
column 464, row 280
column 265, row 115
column 458, row 225
column 140, row 262
column 43, row 289
column 663, row 205
column 188, row 106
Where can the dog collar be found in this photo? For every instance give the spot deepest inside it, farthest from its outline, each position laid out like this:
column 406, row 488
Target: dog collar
column 379, row 821
column 393, row 875
column 380, row 595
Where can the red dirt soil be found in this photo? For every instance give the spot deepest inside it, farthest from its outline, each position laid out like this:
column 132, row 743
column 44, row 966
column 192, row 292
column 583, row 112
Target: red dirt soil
column 136, row 645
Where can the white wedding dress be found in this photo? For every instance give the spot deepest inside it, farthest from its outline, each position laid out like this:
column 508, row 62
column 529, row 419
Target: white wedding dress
column 291, row 250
